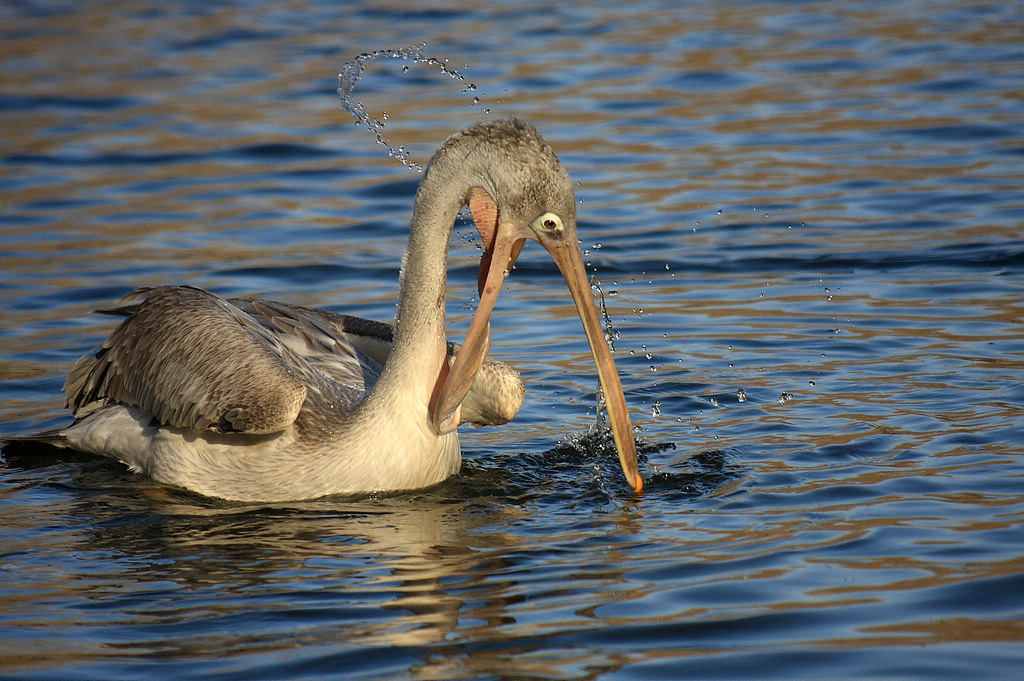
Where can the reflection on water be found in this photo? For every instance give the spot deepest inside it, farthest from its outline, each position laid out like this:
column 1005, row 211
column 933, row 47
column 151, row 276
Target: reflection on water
column 819, row 203
column 206, row 579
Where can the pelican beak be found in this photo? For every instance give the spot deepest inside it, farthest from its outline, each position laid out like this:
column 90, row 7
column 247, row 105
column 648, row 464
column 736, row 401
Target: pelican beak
column 502, row 245
column 566, row 254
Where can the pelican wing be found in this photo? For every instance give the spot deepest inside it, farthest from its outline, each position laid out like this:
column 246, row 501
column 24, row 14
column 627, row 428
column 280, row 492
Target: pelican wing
column 352, row 351
column 334, row 344
column 191, row 360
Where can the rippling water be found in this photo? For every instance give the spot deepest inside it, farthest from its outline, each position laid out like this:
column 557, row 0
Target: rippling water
column 806, row 219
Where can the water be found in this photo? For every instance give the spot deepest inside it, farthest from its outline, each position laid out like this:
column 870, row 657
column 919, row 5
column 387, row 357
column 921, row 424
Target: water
column 806, row 220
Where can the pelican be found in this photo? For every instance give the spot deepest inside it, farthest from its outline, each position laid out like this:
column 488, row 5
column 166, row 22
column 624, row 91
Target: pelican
column 258, row 401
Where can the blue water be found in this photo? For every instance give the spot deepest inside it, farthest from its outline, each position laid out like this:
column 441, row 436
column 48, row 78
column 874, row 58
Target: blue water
column 807, row 220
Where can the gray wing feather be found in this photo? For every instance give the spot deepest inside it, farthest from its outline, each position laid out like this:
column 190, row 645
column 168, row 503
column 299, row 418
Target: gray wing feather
column 352, row 351
column 323, row 339
column 194, row 361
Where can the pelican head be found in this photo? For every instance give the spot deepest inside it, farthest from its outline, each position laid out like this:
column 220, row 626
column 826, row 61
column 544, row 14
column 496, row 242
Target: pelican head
column 516, row 189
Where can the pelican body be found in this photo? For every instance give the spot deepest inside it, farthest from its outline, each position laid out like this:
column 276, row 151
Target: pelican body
column 254, row 400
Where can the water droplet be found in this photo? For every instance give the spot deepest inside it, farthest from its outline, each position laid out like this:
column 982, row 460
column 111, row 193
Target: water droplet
column 656, row 410
column 352, row 71
column 785, row 397
column 741, row 395
column 714, row 401
column 810, row 383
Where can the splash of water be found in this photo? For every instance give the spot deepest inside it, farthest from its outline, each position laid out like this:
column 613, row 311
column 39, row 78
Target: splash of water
column 352, row 71
column 610, row 334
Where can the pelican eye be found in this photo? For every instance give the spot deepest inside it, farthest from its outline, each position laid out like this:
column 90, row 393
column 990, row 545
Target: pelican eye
column 548, row 222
